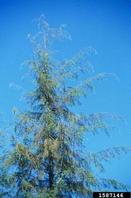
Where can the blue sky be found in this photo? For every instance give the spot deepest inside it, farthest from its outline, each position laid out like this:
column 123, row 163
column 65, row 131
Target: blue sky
column 102, row 24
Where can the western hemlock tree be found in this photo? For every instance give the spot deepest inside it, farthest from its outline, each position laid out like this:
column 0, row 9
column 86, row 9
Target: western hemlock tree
column 49, row 156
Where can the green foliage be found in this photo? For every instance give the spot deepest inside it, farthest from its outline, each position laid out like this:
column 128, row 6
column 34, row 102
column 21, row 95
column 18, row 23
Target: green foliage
column 48, row 159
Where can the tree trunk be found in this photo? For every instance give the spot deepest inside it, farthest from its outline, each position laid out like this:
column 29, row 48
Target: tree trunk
column 51, row 172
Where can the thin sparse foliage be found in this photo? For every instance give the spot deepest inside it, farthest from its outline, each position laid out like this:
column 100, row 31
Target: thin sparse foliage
column 50, row 160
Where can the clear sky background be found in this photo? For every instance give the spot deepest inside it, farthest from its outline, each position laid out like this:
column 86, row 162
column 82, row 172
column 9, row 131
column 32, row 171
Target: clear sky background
column 102, row 24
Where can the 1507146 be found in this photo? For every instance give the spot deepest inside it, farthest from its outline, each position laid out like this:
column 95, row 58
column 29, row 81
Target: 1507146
column 111, row 195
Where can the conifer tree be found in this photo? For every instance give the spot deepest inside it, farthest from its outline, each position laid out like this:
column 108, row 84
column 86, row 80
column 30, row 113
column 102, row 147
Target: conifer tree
column 49, row 158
